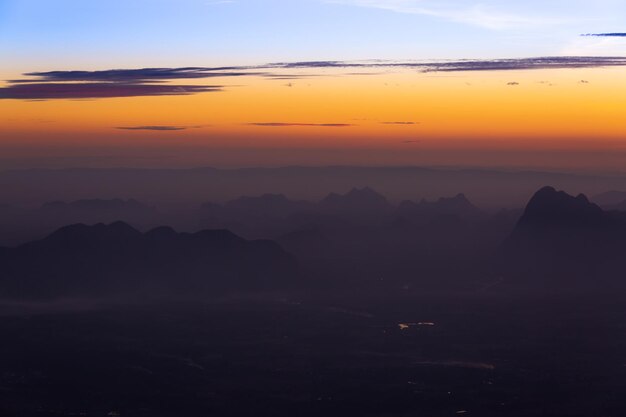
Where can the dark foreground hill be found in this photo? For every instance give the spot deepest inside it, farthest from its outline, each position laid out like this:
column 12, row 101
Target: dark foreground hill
column 565, row 243
column 116, row 259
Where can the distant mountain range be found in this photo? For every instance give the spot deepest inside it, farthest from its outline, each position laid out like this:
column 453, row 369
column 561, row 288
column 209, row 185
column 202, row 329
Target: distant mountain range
column 116, row 259
column 611, row 200
column 561, row 243
column 20, row 225
column 487, row 187
column 356, row 201
column 275, row 205
column 455, row 206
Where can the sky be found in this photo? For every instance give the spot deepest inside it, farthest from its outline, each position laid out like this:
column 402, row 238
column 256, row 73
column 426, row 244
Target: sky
column 313, row 82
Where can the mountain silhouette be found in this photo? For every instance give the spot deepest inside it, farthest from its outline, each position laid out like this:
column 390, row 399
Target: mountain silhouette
column 58, row 213
column 267, row 205
column 452, row 206
column 307, row 243
column 19, row 225
column 616, row 207
column 565, row 243
column 610, row 199
column 96, row 205
column 364, row 200
column 116, row 259
column 550, row 208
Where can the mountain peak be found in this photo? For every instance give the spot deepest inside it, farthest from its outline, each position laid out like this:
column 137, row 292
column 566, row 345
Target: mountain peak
column 460, row 200
column 163, row 232
column 115, row 259
column 564, row 243
column 551, row 207
column 120, row 226
column 365, row 193
column 458, row 205
column 81, row 231
column 358, row 199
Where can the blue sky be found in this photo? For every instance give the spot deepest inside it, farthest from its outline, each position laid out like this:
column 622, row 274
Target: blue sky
column 45, row 34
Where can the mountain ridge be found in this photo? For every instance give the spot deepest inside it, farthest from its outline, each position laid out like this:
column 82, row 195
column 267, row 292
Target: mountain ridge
column 98, row 260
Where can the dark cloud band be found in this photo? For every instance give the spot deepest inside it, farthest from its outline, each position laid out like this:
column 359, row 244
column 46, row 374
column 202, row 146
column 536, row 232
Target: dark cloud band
column 154, row 81
column 144, row 75
column 607, row 35
column 50, row 91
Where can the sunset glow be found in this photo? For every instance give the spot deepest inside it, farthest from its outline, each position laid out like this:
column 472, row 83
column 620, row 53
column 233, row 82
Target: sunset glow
column 390, row 111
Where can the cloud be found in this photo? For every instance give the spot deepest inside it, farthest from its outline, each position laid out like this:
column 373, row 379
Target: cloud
column 142, row 75
column 478, row 14
column 81, row 85
column 558, row 62
column 51, row 91
column 111, row 83
column 158, row 128
column 278, row 124
column 607, row 35
column 117, row 83
column 315, row 64
column 526, row 64
column 399, row 123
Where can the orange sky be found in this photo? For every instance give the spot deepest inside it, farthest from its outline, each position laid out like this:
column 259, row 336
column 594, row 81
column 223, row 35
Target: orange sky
column 476, row 113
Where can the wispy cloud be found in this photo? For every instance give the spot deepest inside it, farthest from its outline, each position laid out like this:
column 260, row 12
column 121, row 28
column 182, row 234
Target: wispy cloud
column 477, row 14
column 280, row 124
column 400, row 123
column 607, row 35
column 558, row 62
column 158, row 128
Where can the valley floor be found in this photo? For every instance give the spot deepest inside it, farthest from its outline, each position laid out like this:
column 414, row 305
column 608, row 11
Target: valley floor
column 322, row 354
